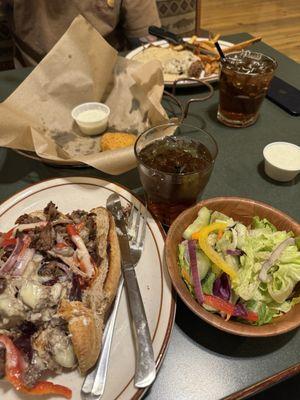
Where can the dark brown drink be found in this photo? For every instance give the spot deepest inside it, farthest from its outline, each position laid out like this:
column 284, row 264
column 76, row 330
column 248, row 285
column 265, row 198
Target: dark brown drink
column 173, row 172
column 244, row 81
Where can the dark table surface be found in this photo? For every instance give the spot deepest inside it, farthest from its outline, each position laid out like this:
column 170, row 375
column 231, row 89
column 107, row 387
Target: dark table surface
column 202, row 362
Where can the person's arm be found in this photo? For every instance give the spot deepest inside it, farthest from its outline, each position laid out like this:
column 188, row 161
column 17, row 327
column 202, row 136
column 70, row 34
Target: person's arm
column 138, row 15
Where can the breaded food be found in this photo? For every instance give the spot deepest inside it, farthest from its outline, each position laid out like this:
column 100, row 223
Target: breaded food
column 116, row 140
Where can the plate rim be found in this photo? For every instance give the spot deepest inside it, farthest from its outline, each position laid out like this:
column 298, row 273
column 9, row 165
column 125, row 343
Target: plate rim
column 16, row 197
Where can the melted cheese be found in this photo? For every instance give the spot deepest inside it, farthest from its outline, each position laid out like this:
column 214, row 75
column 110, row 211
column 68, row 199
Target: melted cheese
column 64, row 354
column 31, row 293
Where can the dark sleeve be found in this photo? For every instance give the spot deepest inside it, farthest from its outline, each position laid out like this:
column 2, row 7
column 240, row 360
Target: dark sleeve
column 138, row 15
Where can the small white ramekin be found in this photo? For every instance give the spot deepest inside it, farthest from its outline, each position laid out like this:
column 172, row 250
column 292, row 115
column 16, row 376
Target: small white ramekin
column 274, row 169
column 94, row 127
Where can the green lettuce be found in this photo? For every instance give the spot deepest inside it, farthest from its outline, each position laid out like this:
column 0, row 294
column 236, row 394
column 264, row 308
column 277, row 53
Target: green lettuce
column 258, row 245
column 265, row 312
column 184, row 265
column 258, row 223
column 286, row 274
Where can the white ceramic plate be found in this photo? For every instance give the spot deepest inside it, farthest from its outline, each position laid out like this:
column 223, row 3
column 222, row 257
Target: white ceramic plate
column 164, row 43
column 85, row 193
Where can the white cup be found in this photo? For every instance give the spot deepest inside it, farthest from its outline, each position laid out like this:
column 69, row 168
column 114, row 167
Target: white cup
column 282, row 161
column 91, row 123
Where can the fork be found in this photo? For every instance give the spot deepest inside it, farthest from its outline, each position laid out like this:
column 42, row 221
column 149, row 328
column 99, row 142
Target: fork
column 94, row 382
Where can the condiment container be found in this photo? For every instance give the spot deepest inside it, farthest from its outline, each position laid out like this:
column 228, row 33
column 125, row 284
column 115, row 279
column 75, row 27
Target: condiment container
column 92, row 118
column 282, row 161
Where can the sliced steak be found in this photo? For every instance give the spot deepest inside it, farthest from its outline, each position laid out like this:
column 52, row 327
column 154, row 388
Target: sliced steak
column 2, row 362
column 53, row 270
column 75, row 292
column 23, row 343
column 27, row 219
column 32, row 375
column 43, row 239
column 51, row 211
column 78, row 216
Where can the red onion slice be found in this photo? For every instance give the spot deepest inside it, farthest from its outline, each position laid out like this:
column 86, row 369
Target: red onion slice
column 10, row 262
column 263, row 275
column 195, row 275
column 22, row 261
column 235, row 252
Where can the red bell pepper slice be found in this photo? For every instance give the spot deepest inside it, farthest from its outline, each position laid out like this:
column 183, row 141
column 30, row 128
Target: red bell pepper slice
column 72, row 231
column 219, row 304
column 7, row 238
column 228, row 308
column 9, row 242
column 251, row 316
column 44, row 387
column 14, row 367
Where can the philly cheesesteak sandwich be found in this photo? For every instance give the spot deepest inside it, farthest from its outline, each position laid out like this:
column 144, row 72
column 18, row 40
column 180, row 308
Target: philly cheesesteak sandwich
column 58, row 278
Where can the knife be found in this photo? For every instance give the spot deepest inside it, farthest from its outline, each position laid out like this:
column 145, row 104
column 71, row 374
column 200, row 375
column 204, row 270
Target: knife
column 145, row 370
column 177, row 40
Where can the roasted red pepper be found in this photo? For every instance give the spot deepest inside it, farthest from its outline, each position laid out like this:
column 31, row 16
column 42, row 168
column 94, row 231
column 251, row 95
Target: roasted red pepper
column 14, row 367
column 44, row 387
column 8, row 239
column 9, row 242
column 72, row 231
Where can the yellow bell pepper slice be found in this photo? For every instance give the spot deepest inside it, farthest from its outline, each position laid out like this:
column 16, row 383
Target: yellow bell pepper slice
column 202, row 235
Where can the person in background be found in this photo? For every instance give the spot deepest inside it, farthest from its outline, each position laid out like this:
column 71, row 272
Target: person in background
column 36, row 25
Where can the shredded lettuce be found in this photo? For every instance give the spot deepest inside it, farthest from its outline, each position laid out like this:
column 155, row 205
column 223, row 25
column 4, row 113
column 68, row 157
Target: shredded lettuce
column 286, row 274
column 258, row 223
column 258, row 246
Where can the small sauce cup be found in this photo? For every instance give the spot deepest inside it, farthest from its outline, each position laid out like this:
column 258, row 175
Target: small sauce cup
column 282, row 161
column 92, row 118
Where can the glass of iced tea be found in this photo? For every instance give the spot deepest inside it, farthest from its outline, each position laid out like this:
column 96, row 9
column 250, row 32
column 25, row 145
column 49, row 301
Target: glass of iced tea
column 244, row 80
column 175, row 162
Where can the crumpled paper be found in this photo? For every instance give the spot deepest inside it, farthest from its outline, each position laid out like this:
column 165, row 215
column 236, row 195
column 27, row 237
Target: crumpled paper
column 82, row 67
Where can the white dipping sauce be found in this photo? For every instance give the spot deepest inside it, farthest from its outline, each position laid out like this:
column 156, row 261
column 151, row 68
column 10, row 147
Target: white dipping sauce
column 283, row 155
column 94, row 115
column 92, row 118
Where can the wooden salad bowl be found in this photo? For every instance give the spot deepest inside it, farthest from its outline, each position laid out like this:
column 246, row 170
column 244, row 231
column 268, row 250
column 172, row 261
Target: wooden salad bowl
column 240, row 209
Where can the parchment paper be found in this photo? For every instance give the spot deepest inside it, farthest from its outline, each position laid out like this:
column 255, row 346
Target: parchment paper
column 82, row 67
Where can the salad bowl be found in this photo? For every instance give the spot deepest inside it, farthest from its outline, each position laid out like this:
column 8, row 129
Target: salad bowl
column 242, row 210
